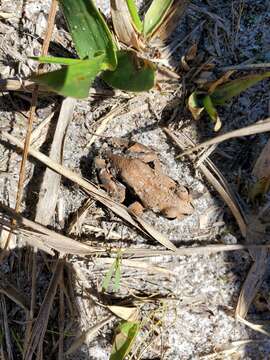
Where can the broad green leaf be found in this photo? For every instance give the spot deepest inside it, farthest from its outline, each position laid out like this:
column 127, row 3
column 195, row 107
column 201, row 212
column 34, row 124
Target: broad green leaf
column 88, row 29
column 134, row 15
column 212, row 112
column 73, row 80
column 155, row 15
column 132, row 73
column 233, row 88
column 125, row 336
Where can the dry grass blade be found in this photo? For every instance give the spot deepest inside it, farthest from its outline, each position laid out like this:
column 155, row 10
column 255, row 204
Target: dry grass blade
column 49, row 238
column 138, row 265
column 5, row 327
column 257, row 327
column 88, row 335
column 242, row 67
column 61, row 319
column 79, row 217
column 96, row 193
column 262, row 166
column 40, row 326
column 51, row 181
column 226, row 194
column 37, row 136
column 230, row 349
column 257, row 128
column 255, row 235
column 252, row 283
column 13, row 293
column 104, row 122
column 190, row 251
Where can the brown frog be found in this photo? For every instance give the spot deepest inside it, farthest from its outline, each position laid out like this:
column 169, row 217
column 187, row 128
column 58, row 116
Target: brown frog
column 138, row 168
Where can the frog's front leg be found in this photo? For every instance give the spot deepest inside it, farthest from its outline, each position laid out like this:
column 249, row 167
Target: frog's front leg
column 114, row 188
column 136, row 208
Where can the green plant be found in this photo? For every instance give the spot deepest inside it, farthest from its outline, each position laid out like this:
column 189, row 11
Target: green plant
column 218, row 93
column 98, row 52
column 125, row 336
column 115, row 270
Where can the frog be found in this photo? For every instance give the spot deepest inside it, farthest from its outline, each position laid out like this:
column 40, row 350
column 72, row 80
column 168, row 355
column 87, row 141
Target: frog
column 136, row 167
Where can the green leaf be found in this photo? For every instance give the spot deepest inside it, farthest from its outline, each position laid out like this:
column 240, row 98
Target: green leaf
column 132, row 73
column 125, row 337
column 195, row 105
column 233, row 88
column 134, row 15
column 155, row 15
column 73, row 80
column 56, row 60
column 117, row 277
column 89, row 31
column 106, row 281
column 212, row 112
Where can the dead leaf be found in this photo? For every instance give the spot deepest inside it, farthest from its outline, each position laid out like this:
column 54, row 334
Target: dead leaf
column 212, row 86
column 255, row 277
column 125, row 313
column 122, row 24
column 257, row 128
column 262, row 166
column 171, row 20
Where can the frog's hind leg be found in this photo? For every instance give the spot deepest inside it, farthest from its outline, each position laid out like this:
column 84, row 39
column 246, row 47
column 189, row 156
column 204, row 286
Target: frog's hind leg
column 115, row 189
column 136, row 208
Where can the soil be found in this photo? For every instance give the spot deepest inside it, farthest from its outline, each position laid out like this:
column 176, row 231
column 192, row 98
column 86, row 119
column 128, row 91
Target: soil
column 188, row 312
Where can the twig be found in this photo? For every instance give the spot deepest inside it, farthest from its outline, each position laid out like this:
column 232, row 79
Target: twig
column 257, row 128
column 243, row 67
column 51, row 181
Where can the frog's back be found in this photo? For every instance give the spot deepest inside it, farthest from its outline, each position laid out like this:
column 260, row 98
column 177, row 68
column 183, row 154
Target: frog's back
column 145, row 183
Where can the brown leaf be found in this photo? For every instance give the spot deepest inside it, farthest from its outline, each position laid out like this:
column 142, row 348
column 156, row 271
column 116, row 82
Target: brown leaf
column 262, row 166
column 255, row 277
column 171, row 21
column 122, row 24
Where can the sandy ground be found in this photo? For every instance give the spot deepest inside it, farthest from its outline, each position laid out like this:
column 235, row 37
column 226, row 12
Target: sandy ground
column 199, row 298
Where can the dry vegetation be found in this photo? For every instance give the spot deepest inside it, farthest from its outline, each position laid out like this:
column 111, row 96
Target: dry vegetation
column 198, row 287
